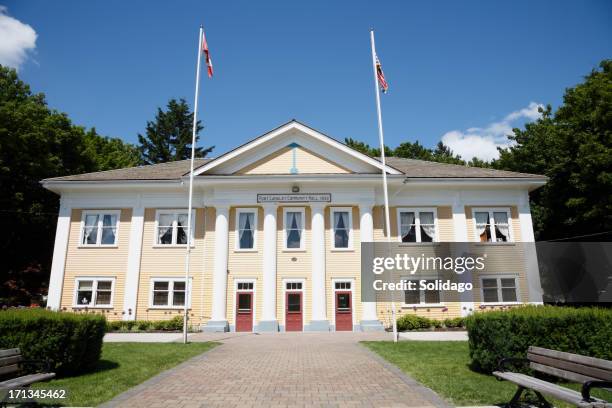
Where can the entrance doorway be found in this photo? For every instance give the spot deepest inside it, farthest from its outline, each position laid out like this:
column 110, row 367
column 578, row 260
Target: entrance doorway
column 244, row 306
column 344, row 306
column 294, row 306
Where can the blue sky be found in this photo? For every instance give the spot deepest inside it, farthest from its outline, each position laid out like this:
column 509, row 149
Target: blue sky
column 463, row 71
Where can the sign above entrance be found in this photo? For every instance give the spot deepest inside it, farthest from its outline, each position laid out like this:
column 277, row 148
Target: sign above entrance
column 294, row 198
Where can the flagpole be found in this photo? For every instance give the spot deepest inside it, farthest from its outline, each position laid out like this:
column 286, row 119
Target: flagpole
column 384, row 172
column 190, row 206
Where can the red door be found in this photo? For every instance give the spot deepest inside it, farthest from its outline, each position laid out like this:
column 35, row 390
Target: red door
column 293, row 311
column 244, row 311
column 344, row 312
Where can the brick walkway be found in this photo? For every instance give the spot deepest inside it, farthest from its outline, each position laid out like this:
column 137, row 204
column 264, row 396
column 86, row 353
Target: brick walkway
column 285, row 369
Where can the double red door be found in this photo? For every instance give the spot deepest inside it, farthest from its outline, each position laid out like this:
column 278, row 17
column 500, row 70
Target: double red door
column 244, row 311
column 293, row 311
column 344, row 311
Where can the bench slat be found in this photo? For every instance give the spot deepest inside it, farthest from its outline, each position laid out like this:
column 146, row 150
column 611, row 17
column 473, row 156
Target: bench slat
column 9, row 369
column 575, row 358
column 9, row 352
column 571, row 367
column 544, row 387
column 4, row 361
column 26, row 380
column 557, row 372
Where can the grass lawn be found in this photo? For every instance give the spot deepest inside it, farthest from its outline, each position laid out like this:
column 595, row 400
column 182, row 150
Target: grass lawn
column 123, row 366
column 443, row 366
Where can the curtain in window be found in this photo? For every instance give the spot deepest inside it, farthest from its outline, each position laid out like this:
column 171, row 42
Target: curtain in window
column 84, row 292
column 482, row 226
column 245, row 230
column 294, row 229
column 109, row 229
column 164, row 231
column 502, row 228
column 181, row 229
column 90, row 235
column 428, row 228
column 407, row 229
column 341, row 233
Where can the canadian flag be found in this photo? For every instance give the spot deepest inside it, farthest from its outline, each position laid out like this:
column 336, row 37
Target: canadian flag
column 207, row 55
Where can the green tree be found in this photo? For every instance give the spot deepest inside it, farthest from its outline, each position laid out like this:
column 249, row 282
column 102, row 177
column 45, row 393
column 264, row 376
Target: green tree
column 109, row 153
column 168, row 137
column 443, row 154
column 573, row 147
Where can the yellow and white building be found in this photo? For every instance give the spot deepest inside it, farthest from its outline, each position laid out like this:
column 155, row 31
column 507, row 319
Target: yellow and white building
column 276, row 240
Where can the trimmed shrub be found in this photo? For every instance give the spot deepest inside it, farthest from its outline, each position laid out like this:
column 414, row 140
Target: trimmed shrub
column 174, row 324
column 413, row 322
column 454, row 322
column 71, row 342
column 498, row 334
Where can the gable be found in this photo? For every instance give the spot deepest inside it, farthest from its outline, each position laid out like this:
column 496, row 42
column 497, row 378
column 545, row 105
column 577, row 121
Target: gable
column 293, row 159
column 275, row 152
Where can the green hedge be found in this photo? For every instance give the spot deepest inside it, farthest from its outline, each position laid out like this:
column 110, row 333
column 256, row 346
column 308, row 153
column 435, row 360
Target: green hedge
column 174, row 324
column 414, row 322
column 71, row 342
column 498, row 334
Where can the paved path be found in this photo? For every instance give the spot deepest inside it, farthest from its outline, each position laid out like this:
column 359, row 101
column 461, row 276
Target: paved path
column 283, row 369
column 435, row 336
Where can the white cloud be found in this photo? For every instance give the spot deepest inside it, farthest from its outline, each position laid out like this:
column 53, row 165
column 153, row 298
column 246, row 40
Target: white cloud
column 18, row 39
column 483, row 142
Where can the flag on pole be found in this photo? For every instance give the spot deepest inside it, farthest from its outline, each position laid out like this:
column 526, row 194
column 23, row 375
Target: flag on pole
column 381, row 76
column 207, row 55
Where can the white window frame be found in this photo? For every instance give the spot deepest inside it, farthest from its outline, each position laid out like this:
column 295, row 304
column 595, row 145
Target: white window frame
column 301, row 210
column 422, row 303
column 491, row 210
column 352, row 290
column 239, row 211
column 332, row 211
column 94, row 293
column 499, row 277
column 417, row 222
column 170, row 280
column 100, row 214
column 175, row 212
column 254, row 293
column 303, row 291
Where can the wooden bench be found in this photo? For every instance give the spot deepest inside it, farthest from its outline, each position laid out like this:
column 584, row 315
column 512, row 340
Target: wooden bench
column 588, row 371
column 12, row 365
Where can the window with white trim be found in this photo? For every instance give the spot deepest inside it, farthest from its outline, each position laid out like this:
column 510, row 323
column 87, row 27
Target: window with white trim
column 246, row 227
column 171, row 227
column 416, row 225
column 492, row 225
column 419, row 297
column 294, row 228
column 99, row 228
column 244, row 286
column 342, row 224
column 499, row 289
column 293, row 286
column 94, row 292
column 168, row 292
column 343, row 285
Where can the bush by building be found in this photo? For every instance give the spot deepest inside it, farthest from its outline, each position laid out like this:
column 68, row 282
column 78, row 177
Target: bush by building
column 174, row 324
column 498, row 334
column 70, row 342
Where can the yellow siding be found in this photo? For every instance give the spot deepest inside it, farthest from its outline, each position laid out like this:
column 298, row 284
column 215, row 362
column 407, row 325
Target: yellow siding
column 281, row 162
column 97, row 261
column 244, row 265
column 167, row 261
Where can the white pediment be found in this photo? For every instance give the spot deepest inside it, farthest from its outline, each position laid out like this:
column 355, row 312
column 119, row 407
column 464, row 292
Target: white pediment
column 293, row 148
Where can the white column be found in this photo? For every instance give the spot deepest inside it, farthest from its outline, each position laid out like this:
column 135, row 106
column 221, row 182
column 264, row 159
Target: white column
column 319, row 306
column 460, row 234
column 133, row 264
column 218, row 321
column 269, row 322
column 369, row 319
column 531, row 258
column 56, row 280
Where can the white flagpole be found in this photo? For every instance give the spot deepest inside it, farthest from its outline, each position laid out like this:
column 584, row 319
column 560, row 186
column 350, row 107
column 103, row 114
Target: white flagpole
column 384, row 172
column 190, row 206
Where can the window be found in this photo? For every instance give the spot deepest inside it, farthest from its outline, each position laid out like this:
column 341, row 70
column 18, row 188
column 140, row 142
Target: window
column 172, row 227
column 343, row 285
column 94, row 292
column 492, row 225
column 421, row 297
column 501, row 289
column 342, row 237
column 294, row 228
column 99, row 228
column 246, row 222
column 244, row 285
column 168, row 293
column 416, row 225
column 294, row 286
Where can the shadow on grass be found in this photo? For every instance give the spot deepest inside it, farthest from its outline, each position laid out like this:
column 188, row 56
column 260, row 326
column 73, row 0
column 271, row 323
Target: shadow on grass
column 101, row 366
